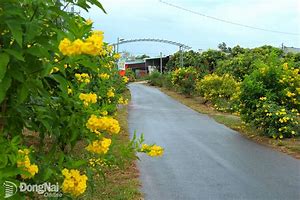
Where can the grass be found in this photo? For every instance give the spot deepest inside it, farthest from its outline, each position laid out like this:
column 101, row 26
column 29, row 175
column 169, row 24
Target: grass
column 289, row 146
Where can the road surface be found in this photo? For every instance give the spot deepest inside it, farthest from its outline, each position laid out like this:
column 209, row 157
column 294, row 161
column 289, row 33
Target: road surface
column 204, row 159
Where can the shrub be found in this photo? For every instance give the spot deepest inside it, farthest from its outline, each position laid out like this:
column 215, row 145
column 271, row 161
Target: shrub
column 185, row 79
column 222, row 91
column 270, row 99
column 59, row 90
column 167, row 81
column 156, row 79
column 130, row 74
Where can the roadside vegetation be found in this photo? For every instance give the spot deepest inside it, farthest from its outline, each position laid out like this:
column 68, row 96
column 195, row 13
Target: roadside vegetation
column 254, row 91
column 59, row 99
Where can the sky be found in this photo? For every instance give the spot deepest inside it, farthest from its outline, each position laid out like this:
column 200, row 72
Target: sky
column 138, row 19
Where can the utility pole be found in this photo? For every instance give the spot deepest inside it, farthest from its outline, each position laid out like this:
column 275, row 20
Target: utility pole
column 118, row 40
column 181, row 56
column 161, row 62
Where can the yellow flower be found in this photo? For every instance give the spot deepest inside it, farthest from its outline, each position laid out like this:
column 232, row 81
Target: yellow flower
column 93, row 45
column 110, row 93
column 88, row 98
column 290, row 94
column 96, row 124
column 99, row 146
column 74, row 183
column 82, row 78
column 117, row 56
column 104, row 113
column 109, row 48
column 70, row 91
column 25, row 164
column 122, row 101
column 285, row 66
column 263, row 98
column 88, row 22
column 64, row 46
column 104, row 76
column 153, row 150
column 125, row 79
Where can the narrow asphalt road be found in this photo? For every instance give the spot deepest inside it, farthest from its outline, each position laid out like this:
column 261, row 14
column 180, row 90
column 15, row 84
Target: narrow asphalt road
column 203, row 159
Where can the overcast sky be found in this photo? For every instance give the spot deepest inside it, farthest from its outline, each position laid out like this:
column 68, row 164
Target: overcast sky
column 134, row 19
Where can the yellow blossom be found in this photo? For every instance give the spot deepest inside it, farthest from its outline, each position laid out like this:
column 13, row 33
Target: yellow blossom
column 104, row 113
column 82, row 78
column 263, row 98
column 74, row 183
column 70, row 91
column 104, row 76
column 110, row 93
column 125, row 79
column 88, row 22
column 96, row 124
column 153, row 150
column 88, row 98
column 25, row 164
column 93, row 45
column 117, row 56
column 99, row 146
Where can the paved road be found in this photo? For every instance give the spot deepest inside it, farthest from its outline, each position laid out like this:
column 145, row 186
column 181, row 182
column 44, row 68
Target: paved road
column 205, row 160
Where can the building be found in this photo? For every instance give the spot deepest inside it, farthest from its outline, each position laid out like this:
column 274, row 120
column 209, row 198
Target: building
column 154, row 63
column 146, row 66
column 290, row 49
column 138, row 67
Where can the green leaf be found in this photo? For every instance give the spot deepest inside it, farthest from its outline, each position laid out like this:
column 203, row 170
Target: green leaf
column 4, row 85
column 16, row 30
column 16, row 74
column 76, row 164
column 23, row 93
column 3, row 160
column 47, row 174
column 16, row 140
column 15, row 54
column 10, row 172
column 38, row 51
column 4, row 59
column 63, row 84
column 98, row 4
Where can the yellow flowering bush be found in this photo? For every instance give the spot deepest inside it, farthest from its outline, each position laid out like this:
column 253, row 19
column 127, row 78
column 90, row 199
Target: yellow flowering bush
column 270, row 100
column 223, row 91
column 184, row 79
column 53, row 97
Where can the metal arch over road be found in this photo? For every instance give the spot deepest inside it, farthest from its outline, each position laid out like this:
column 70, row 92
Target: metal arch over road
column 180, row 45
column 183, row 46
